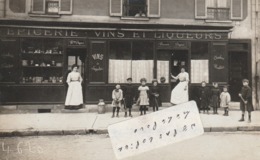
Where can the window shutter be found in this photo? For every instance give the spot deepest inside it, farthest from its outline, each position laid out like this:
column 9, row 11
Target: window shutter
column 154, row 8
column 38, row 6
column 66, row 6
column 116, row 7
column 200, row 9
column 236, row 9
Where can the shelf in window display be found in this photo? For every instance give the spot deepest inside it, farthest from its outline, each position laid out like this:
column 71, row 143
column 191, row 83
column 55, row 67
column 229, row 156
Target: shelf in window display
column 42, row 66
column 28, row 53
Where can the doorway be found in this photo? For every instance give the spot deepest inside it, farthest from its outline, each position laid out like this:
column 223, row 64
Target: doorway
column 238, row 70
column 77, row 56
column 179, row 59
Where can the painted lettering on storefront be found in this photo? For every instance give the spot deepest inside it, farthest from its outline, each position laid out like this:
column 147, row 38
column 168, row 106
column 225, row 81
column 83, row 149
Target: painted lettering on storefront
column 159, row 35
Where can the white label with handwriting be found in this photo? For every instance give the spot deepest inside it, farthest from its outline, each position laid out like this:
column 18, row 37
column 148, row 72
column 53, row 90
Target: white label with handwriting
column 158, row 129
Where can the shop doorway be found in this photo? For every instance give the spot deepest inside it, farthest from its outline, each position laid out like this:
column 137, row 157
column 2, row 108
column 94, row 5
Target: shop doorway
column 238, row 70
column 77, row 56
column 179, row 59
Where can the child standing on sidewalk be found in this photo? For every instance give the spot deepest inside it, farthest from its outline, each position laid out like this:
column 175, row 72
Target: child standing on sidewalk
column 225, row 99
column 155, row 101
column 215, row 93
column 246, row 100
column 128, row 97
column 117, row 96
column 204, row 96
column 143, row 99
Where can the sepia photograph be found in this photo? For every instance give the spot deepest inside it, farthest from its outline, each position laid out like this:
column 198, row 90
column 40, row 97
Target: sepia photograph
column 129, row 79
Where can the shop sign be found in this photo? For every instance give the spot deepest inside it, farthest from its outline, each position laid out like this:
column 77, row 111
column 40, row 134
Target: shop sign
column 76, row 42
column 115, row 34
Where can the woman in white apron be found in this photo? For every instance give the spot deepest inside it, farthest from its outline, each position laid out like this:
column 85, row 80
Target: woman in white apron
column 74, row 98
column 180, row 92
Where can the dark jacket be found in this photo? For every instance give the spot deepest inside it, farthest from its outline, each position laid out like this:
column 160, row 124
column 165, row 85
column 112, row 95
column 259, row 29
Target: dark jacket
column 204, row 96
column 129, row 94
column 154, row 101
column 246, row 93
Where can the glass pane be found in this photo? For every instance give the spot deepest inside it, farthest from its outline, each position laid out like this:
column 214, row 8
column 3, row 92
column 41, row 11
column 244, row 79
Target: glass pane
column 7, row 61
column 119, row 62
column 199, row 50
column 199, row 71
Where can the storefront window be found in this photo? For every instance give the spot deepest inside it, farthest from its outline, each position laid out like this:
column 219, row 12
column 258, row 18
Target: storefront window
column 199, row 62
column 42, row 61
column 8, row 51
column 130, row 59
column 163, row 66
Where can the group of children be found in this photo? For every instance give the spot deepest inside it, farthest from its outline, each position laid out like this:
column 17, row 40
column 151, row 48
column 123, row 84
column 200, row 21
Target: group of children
column 215, row 98
column 146, row 97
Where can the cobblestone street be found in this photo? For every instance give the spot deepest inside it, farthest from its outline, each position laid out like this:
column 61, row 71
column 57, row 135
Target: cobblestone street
column 225, row 146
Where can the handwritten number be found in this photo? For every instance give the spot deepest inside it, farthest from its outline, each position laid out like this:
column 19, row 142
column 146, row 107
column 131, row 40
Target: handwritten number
column 144, row 140
column 160, row 136
column 137, row 144
column 170, row 118
column 151, row 139
column 120, row 149
column 187, row 113
column 135, row 131
column 175, row 132
column 148, row 126
column 126, row 147
column 178, row 116
column 185, row 128
column 163, row 121
column 193, row 125
column 155, row 125
column 168, row 133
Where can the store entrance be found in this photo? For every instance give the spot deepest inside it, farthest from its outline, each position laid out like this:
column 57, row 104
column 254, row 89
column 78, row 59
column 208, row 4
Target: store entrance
column 179, row 59
column 238, row 70
column 77, row 56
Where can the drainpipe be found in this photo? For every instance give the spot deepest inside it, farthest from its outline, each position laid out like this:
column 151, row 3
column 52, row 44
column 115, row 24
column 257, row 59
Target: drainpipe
column 257, row 62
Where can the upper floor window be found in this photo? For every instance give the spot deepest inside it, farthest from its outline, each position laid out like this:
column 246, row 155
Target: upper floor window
column 219, row 9
column 51, row 7
column 135, row 8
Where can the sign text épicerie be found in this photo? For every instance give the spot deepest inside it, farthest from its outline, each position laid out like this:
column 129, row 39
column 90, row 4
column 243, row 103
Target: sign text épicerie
column 113, row 34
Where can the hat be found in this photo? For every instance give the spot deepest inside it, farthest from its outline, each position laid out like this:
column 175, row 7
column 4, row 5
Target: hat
column 225, row 87
column 143, row 80
column 129, row 79
column 245, row 80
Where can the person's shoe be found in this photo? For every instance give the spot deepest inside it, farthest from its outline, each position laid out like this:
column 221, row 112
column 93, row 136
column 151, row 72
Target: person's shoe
column 125, row 115
column 130, row 115
column 249, row 121
column 241, row 120
column 117, row 116
column 113, row 116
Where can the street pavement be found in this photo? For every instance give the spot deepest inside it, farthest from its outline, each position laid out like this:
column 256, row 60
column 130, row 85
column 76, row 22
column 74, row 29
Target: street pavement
column 76, row 123
column 210, row 146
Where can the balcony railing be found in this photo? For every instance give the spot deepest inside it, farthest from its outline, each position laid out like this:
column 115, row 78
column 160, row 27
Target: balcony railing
column 218, row 13
column 135, row 10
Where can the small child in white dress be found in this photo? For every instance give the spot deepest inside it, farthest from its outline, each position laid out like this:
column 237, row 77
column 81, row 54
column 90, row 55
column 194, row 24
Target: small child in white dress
column 143, row 99
column 225, row 99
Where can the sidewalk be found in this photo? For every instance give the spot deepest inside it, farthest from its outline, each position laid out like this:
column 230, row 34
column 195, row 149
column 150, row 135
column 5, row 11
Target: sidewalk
column 83, row 123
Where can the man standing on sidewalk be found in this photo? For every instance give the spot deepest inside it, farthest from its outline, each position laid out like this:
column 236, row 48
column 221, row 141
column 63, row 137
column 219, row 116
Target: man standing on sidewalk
column 246, row 100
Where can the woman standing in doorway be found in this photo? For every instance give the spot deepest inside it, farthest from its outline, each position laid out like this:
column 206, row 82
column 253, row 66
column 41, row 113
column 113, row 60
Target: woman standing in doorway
column 74, row 98
column 180, row 92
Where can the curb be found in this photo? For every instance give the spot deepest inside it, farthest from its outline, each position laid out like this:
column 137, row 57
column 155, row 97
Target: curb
column 105, row 131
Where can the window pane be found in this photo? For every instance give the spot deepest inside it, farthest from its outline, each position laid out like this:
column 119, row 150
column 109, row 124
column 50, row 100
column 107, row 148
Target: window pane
column 135, row 8
column 163, row 65
column 119, row 62
column 142, row 64
column 199, row 71
column 199, row 50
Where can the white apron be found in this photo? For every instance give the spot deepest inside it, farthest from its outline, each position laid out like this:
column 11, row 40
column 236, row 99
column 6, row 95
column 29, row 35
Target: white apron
column 74, row 95
column 179, row 93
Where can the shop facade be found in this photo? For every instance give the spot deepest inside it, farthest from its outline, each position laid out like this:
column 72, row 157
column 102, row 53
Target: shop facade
column 35, row 60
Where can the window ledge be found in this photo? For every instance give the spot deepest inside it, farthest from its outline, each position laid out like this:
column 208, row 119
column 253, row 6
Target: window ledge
column 44, row 15
column 218, row 21
column 135, row 18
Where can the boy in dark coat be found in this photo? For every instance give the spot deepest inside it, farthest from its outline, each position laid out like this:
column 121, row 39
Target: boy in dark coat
column 204, row 96
column 246, row 100
column 129, row 94
column 215, row 93
column 155, row 100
